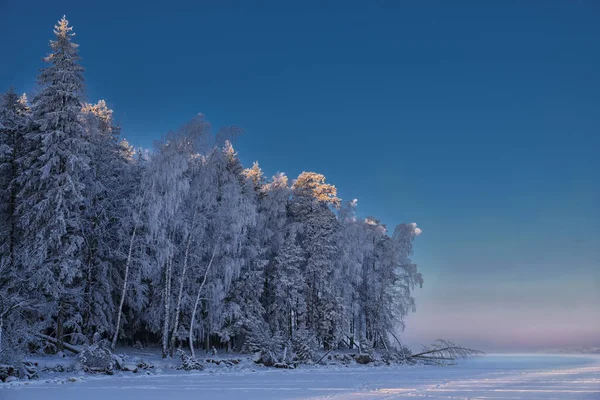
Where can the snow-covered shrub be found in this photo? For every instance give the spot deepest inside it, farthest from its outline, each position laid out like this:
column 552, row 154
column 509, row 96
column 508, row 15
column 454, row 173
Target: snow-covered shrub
column 99, row 358
column 16, row 334
column 272, row 349
column 189, row 363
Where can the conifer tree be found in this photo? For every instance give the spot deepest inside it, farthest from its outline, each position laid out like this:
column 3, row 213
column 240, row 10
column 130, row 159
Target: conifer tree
column 53, row 196
column 181, row 245
column 311, row 209
column 14, row 329
column 107, row 182
column 288, row 308
column 14, row 121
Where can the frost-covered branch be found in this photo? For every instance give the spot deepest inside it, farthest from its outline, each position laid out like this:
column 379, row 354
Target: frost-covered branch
column 442, row 350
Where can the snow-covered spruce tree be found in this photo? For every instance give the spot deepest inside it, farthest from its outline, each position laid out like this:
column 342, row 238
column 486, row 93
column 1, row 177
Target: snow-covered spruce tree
column 255, row 175
column 272, row 226
column 273, row 219
column 52, row 193
column 14, row 122
column 108, row 183
column 287, row 309
column 15, row 306
column 252, row 292
column 311, row 209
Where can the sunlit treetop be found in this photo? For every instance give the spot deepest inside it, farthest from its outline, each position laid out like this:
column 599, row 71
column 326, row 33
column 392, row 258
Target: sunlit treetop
column 255, row 174
column 314, row 183
column 63, row 30
column 101, row 111
column 278, row 181
column 63, row 43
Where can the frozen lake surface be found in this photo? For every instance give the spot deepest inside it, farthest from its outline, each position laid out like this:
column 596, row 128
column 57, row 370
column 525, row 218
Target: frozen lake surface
column 500, row 377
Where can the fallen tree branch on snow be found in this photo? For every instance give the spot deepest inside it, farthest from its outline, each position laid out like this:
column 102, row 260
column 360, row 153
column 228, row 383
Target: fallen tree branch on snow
column 442, row 351
column 54, row 341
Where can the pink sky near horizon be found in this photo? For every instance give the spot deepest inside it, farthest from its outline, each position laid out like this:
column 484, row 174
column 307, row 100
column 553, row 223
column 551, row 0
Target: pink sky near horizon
column 512, row 316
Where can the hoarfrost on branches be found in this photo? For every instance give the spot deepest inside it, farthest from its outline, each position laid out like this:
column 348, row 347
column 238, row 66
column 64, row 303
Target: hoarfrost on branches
column 181, row 246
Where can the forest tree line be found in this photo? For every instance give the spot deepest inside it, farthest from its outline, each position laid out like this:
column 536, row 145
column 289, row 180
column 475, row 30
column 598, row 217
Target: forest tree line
column 183, row 247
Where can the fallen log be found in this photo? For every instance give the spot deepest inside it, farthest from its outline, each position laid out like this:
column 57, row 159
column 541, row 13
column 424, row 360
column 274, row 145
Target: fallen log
column 324, row 355
column 54, row 341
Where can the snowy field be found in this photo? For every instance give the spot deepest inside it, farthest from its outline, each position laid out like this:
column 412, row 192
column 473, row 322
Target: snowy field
column 499, row 377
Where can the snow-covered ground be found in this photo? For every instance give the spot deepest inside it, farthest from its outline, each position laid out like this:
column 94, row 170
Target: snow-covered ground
column 499, row 377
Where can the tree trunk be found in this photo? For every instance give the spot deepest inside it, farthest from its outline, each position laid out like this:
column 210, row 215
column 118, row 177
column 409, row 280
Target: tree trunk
column 124, row 290
column 60, row 329
column 191, row 336
column 52, row 340
column 290, row 321
column 191, row 333
column 352, row 323
column 179, row 296
column 165, row 335
column 12, row 209
column 87, row 293
column 207, row 344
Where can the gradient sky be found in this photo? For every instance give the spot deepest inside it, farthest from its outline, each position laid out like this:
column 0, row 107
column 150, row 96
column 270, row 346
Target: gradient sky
column 480, row 122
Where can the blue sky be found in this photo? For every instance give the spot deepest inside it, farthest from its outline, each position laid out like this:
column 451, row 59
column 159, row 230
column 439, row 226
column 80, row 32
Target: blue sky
column 479, row 121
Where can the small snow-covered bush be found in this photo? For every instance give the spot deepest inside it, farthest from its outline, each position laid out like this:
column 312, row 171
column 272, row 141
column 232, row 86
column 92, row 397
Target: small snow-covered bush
column 272, row 349
column 275, row 349
column 98, row 357
column 189, row 363
column 16, row 335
